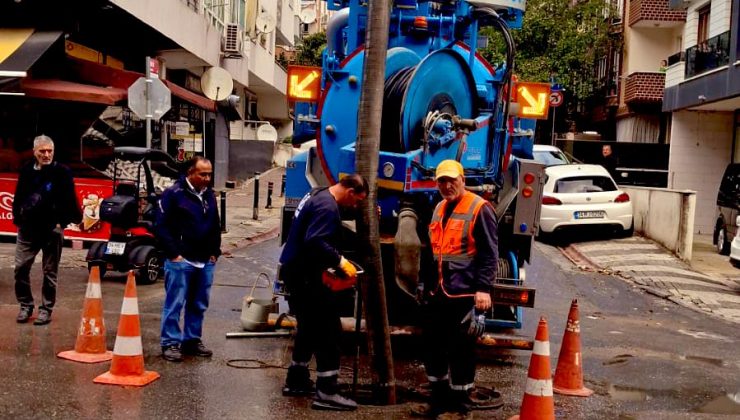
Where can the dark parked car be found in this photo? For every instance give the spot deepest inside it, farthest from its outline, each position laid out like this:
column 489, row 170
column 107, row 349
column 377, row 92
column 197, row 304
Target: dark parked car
column 728, row 203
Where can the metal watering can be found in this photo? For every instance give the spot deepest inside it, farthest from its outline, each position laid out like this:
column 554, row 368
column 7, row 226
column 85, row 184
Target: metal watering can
column 255, row 312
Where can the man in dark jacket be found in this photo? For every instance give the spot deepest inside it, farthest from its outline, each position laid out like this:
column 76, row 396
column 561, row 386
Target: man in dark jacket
column 44, row 204
column 609, row 161
column 188, row 229
column 463, row 238
column 312, row 247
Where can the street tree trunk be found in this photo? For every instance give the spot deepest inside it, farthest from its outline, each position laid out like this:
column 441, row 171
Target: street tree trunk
column 366, row 164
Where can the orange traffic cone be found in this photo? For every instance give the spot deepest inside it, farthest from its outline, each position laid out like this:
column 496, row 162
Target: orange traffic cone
column 569, row 374
column 538, row 402
column 127, row 367
column 90, row 344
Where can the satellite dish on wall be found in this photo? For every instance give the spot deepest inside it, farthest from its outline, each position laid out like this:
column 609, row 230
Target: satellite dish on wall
column 307, row 15
column 265, row 23
column 216, row 83
column 267, row 132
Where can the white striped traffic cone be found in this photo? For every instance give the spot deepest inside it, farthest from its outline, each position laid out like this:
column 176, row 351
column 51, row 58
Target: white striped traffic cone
column 127, row 367
column 538, row 402
column 90, row 345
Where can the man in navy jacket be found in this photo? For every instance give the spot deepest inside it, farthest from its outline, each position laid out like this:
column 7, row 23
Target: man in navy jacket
column 45, row 203
column 188, row 229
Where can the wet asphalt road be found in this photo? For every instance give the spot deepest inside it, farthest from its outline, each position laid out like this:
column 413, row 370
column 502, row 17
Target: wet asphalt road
column 643, row 356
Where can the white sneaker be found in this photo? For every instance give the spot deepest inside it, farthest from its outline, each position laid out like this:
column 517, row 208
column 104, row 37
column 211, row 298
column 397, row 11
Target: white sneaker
column 333, row 402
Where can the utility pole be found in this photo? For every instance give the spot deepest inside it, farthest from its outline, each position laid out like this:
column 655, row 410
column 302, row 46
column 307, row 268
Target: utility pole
column 366, row 164
column 552, row 133
column 147, row 95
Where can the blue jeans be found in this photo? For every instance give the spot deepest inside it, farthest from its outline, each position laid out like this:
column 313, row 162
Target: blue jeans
column 190, row 287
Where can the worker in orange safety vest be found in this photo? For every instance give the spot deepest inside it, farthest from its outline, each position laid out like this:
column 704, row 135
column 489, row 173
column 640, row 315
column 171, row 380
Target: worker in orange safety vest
column 457, row 290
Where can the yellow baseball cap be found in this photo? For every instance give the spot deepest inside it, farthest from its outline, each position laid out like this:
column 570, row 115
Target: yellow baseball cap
column 449, row 168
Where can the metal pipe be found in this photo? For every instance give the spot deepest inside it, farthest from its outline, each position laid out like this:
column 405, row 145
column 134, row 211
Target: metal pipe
column 258, row 334
column 147, row 95
column 337, row 22
column 223, row 211
column 256, row 205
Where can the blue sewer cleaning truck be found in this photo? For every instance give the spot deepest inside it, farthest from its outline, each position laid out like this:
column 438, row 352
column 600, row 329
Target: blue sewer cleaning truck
column 442, row 100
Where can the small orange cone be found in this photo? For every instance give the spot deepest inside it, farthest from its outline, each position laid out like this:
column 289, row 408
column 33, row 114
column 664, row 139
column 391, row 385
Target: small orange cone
column 90, row 344
column 538, row 402
column 569, row 373
column 127, row 367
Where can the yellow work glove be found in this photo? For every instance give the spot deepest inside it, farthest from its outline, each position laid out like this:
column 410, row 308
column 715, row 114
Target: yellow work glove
column 347, row 267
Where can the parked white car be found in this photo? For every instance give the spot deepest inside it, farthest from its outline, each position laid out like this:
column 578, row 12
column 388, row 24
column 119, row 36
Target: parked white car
column 549, row 155
column 583, row 195
column 735, row 247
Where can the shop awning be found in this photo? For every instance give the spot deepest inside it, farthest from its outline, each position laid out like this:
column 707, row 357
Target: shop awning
column 21, row 48
column 70, row 91
column 100, row 74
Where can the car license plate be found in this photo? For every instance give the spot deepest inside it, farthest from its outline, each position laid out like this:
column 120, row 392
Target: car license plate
column 115, row 248
column 595, row 214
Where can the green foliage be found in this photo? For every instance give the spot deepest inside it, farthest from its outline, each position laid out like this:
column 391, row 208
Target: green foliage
column 308, row 53
column 559, row 39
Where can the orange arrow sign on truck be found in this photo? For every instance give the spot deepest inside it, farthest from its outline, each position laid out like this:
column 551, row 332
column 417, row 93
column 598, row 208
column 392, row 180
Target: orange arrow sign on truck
column 533, row 99
column 304, row 83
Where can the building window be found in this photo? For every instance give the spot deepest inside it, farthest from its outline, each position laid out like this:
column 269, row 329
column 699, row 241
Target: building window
column 703, row 29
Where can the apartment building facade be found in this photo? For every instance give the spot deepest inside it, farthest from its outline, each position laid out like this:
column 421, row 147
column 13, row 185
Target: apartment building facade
column 80, row 57
column 651, row 32
column 628, row 104
column 702, row 95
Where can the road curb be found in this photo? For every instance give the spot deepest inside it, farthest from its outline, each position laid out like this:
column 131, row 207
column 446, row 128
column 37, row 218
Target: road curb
column 245, row 185
column 253, row 240
column 580, row 259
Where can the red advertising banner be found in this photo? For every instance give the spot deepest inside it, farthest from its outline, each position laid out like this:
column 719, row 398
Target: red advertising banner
column 90, row 195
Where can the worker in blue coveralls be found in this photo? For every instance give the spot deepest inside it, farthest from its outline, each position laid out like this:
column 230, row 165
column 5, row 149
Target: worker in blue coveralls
column 312, row 247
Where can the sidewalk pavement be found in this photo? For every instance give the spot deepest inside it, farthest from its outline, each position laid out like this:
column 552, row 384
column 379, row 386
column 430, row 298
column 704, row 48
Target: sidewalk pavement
column 241, row 227
column 706, row 260
column 708, row 283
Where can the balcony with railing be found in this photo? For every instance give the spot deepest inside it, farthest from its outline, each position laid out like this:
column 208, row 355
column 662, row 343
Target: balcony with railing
column 674, row 72
column 644, row 88
column 654, row 14
column 708, row 55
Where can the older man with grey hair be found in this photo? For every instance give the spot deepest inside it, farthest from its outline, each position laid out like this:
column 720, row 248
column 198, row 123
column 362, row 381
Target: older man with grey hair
column 45, row 202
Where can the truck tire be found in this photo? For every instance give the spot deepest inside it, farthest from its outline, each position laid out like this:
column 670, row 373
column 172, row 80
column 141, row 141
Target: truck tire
column 151, row 268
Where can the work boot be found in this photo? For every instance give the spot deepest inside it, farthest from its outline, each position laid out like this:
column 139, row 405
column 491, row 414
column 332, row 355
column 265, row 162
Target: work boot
column 172, row 353
column 24, row 314
column 439, row 401
column 43, row 318
column 298, row 383
column 328, row 397
column 196, row 348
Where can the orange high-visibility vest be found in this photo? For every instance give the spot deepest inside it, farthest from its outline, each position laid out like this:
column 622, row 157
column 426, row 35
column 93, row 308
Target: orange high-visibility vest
column 454, row 241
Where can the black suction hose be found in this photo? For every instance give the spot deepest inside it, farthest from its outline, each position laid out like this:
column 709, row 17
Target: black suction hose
column 501, row 25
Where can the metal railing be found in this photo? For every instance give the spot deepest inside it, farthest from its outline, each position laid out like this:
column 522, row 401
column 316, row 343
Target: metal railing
column 211, row 9
column 676, row 58
column 708, row 55
column 193, row 4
